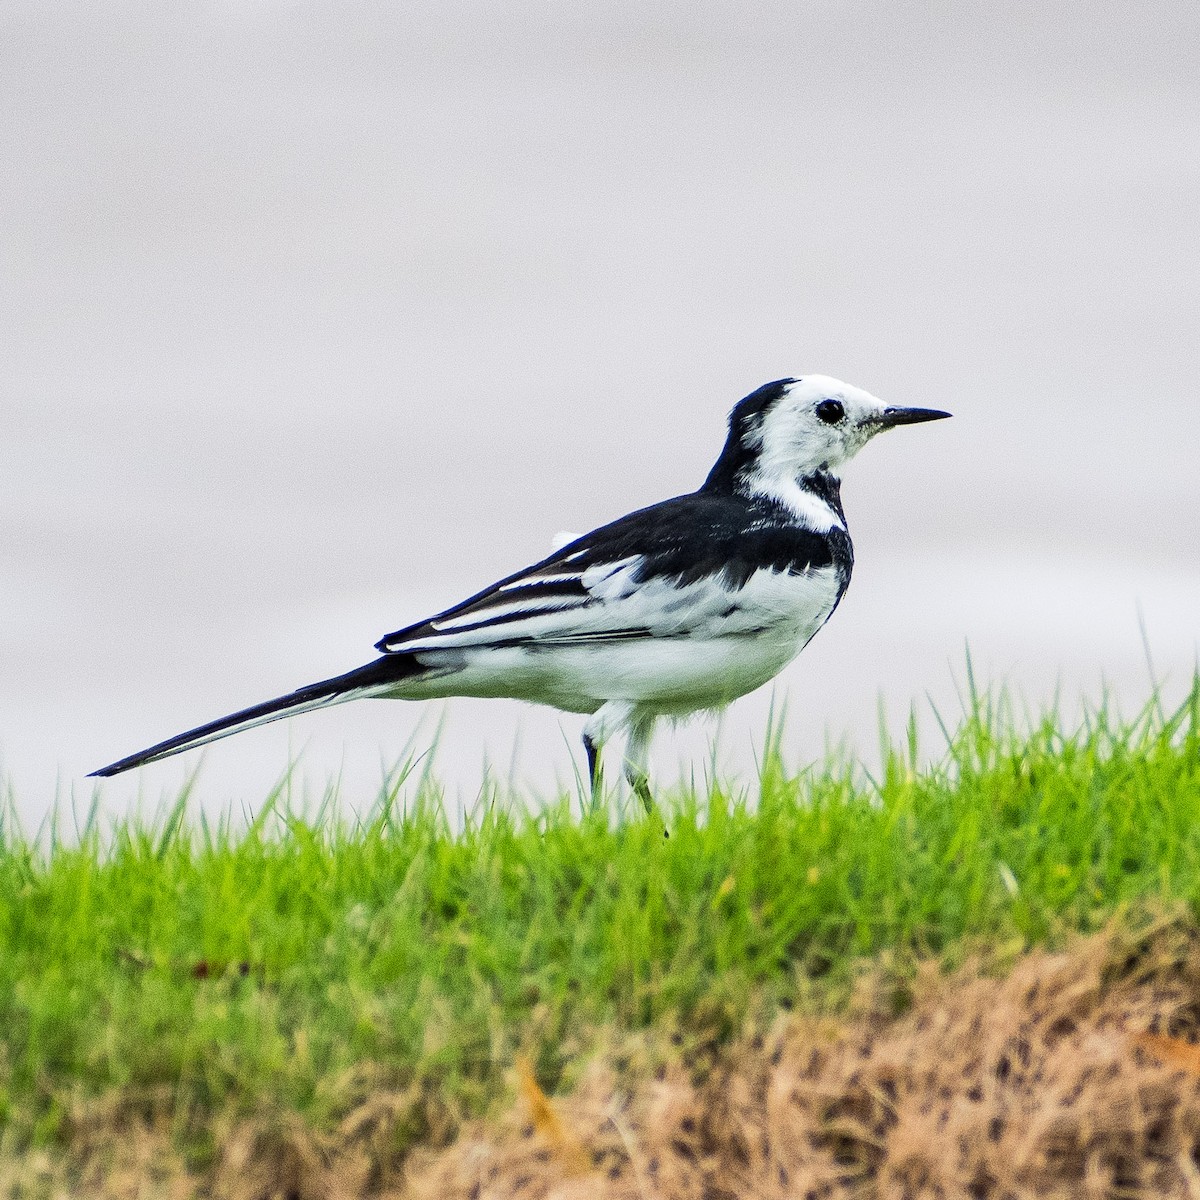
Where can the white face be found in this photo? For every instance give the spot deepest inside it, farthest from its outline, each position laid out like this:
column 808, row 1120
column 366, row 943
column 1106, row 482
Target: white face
column 819, row 424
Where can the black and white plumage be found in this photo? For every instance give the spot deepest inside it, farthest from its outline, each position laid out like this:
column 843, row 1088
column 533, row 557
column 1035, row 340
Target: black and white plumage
column 685, row 605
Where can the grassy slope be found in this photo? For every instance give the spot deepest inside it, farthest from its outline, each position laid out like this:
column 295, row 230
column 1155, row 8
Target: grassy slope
column 275, row 963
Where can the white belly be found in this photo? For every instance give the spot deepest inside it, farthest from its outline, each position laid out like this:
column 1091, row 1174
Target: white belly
column 739, row 645
column 671, row 674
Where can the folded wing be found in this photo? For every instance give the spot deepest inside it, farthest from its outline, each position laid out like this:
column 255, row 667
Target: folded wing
column 686, row 566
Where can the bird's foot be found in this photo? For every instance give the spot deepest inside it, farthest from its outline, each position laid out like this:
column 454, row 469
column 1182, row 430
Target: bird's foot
column 641, row 787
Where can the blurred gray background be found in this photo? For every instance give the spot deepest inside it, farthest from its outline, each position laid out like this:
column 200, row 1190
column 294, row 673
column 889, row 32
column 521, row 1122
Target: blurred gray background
column 316, row 317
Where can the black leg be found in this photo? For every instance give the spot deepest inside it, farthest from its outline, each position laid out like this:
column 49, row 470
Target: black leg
column 636, row 751
column 641, row 788
column 593, row 759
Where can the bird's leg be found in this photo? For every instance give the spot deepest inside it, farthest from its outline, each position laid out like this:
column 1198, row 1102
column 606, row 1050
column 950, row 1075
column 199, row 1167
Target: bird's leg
column 641, row 787
column 636, row 752
column 595, row 782
column 615, row 716
column 596, row 731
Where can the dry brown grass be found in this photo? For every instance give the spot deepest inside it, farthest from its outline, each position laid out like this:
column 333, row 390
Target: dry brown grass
column 1038, row 1083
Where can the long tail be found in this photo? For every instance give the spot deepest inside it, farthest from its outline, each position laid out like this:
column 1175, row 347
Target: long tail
column 372, row 680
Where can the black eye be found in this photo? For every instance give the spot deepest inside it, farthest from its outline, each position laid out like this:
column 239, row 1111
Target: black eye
column 830, row 411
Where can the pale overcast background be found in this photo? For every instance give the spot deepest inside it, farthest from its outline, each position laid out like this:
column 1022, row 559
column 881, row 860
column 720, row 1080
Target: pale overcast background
column 317, row 317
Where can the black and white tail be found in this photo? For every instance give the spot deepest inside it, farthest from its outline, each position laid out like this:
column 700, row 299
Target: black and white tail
column 372, row 680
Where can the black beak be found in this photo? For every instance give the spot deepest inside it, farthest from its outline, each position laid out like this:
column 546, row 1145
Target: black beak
column 910, row 416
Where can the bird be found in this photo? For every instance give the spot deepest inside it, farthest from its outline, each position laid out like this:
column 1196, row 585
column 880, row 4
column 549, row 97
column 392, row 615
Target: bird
column 679, row 607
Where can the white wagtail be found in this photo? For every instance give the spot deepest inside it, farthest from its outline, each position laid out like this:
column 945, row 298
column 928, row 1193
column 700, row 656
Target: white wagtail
column 681, row 606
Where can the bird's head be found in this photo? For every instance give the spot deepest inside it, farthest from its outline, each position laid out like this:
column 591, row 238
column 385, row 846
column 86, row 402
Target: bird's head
column 797, row 427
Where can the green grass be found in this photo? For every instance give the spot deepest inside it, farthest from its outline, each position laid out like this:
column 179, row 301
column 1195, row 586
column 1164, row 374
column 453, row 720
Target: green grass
column 302, row 962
